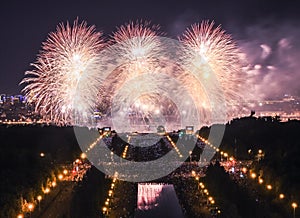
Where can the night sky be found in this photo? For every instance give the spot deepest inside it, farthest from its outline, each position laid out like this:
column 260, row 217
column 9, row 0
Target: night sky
column 268, row 32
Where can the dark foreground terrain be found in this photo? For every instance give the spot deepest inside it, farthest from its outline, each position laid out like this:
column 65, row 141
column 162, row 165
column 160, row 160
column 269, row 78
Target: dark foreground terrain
column 23, row 172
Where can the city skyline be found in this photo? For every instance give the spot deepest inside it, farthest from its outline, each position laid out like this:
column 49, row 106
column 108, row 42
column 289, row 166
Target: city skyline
column 15, row 108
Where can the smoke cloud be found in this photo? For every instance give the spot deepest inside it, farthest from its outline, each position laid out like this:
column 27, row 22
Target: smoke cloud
column 272, row 53
column 271, row 50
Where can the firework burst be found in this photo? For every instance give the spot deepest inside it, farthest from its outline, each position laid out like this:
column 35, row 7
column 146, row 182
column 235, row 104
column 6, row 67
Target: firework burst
column 209, row 49
column 155, row 76
column 138, row 73
column 136, row 46
column 53, row 83
column 139, row 45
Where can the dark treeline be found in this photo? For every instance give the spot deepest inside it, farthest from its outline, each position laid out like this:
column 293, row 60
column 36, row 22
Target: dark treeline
column 23, row 171
column 90, row 195
column 238, row 201
column 280, row 144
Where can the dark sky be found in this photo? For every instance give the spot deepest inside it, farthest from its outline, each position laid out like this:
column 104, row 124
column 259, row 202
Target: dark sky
column 25, row 24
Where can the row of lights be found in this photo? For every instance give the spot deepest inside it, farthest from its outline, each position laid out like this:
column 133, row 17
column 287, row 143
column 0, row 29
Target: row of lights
column 105, row 208
column 223, row 153
column 125, row 152
column 92, row 145
column 269, row 187
column 253, row 175
column 174, row 145
column 31, row 206
column 210, row 199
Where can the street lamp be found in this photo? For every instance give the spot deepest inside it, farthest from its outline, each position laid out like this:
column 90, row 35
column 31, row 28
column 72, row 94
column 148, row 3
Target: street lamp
column 83, row 156
column 110, row 192
column 294, row 206
column 104, row 209
column 39, row 199
column 281, row 196
column 20, row 216
column 193, row 173
column 226, row 155
column 209, row 200
column 60, row 176
column 112, row 156
column 202, row 185
column 221, row 155
column 190, row 152
column 206, row 191
column 47, row 190
column 30, row 207
column 65, row 172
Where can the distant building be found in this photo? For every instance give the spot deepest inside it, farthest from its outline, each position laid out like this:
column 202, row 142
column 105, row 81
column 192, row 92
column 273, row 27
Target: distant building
column 189, row 130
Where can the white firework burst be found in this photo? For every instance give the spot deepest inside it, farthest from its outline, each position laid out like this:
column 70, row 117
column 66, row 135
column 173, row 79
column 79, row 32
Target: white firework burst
column 53, row 83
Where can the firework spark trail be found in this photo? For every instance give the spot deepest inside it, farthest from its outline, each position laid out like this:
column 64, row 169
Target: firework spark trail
column 139, row 45
column 62, row 62
column 209, row 46
column 140, row 78
column 208, row 49
column 135, row 47
column 138, row 41
column 74, row 69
